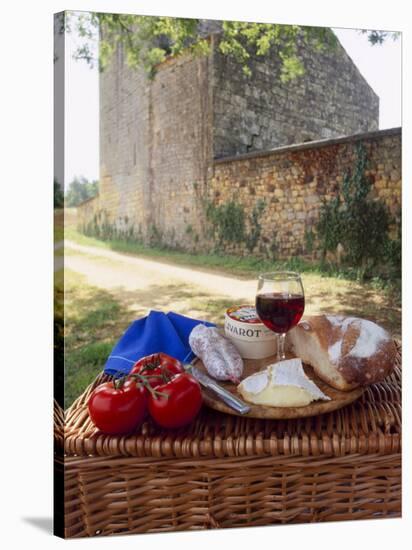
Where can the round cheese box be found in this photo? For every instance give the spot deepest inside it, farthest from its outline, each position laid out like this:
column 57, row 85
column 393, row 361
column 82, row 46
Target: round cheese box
column 247, row 332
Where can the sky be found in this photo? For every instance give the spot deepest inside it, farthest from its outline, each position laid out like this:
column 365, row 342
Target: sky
column 379, row 64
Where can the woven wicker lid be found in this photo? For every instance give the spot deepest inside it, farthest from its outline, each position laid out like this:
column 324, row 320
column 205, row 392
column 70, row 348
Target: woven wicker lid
column 370, row 425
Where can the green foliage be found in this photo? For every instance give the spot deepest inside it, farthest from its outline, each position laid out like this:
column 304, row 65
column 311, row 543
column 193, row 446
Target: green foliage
column 228, row 220
column 230, row 225
column 365, row 222
column 146, row 40
column 58, row 195
column 81, row 189
column 155, row 236
column 329, row 226
column 393, row 253
column 309, row 240
column 379, row 37
column 255, row 226
column 244, row 40
column 273, row 247
column 101, row 227
column 356, row 221
column 149, row 40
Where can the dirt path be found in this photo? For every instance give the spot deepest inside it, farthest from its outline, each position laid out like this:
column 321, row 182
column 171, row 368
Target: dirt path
column 141, row 284
column 134, row 273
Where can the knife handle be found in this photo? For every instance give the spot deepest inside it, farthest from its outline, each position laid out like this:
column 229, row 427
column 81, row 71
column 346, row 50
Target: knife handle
column 231, row 400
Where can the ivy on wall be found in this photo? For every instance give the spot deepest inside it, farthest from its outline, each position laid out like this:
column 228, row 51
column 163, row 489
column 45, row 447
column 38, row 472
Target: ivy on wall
column 358, row 223
column 255, row 225
column 100, row 227
column 230, row 224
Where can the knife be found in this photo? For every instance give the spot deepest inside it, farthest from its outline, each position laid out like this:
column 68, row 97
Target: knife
column 231, row 400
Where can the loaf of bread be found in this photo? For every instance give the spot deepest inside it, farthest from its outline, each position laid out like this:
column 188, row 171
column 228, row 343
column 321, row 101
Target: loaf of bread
column 345, row 352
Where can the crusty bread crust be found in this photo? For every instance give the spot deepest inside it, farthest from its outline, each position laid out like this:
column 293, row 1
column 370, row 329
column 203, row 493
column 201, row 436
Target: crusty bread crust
column 345, row 352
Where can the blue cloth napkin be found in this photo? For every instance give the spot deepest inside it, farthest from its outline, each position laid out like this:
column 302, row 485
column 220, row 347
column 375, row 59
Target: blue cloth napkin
column 158, row 332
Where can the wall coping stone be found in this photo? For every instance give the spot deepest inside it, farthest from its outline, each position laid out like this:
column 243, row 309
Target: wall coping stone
column 311, row 145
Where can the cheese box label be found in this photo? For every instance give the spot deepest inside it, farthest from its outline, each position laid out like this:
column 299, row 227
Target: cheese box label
column 244, row 314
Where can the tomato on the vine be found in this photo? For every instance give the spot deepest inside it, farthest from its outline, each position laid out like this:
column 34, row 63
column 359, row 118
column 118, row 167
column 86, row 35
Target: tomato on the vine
column 116, row 410
column 158, row 368
column 179, row 401
column 157, row 383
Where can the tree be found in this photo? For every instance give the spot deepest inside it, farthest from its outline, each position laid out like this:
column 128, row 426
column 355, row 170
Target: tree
column 80, row 189
column 58, row 195
column 148, row 40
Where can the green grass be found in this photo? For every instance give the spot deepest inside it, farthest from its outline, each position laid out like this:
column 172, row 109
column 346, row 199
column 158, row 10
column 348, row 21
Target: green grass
column 94, row 321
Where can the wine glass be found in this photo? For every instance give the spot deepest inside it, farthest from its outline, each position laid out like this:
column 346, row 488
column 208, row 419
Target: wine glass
column 280, row 302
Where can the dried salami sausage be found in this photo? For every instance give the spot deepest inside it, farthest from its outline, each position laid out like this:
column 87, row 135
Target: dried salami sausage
column 219, row 355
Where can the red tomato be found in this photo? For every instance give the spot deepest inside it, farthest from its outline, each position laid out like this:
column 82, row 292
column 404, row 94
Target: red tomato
column 118, row 410
column 181, row 403
column 158, row 367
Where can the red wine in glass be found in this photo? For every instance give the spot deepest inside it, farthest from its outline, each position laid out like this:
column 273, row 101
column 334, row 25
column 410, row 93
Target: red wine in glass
column 280, row 312
column 280, row 302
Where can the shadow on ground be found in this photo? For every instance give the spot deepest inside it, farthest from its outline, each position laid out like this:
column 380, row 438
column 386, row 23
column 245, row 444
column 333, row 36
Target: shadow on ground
column 367, row 304
column 186, row 300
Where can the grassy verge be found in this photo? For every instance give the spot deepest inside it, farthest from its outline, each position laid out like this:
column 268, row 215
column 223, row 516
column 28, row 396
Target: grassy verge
column 94, row 320
column 239, row 266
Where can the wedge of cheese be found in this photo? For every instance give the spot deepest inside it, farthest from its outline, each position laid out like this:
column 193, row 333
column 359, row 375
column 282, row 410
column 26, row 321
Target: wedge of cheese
column 282, row 384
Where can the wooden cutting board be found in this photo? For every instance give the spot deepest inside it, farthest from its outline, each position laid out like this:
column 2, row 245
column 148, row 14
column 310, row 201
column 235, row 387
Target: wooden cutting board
column 338, row 398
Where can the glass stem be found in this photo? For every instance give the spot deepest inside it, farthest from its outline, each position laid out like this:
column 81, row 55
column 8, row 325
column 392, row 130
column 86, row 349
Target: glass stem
column 281, row 346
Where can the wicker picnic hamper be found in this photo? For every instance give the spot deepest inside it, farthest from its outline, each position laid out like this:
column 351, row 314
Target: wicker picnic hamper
column 227, row 471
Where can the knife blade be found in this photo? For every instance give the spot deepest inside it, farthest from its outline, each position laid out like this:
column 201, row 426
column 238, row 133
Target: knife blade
column 226, row 396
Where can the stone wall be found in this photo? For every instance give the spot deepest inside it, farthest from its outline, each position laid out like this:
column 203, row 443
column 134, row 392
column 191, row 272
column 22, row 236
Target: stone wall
column 331, row 99
column 293, row 182
column 159, row 140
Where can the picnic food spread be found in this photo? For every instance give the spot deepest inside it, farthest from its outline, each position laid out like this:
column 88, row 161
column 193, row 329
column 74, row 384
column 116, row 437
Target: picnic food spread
column 345, row 353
